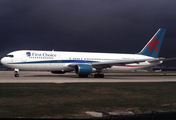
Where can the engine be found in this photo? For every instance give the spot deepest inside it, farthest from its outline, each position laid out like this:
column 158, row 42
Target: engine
column 83, row 69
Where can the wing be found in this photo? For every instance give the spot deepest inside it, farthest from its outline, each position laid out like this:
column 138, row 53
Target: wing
column 109, row 64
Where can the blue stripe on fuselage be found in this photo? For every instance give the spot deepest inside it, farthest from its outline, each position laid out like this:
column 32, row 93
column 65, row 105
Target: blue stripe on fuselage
column 54, row 61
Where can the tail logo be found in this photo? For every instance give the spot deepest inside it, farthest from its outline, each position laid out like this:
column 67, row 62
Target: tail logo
column 153, row 43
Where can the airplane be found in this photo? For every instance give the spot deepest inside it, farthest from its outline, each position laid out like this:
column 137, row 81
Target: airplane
column 86, row 63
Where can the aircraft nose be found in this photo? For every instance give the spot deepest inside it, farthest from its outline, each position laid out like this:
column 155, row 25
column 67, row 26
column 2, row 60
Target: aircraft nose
column 3, row 61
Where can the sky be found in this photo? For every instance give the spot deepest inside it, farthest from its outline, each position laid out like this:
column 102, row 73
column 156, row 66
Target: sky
column 110, row 26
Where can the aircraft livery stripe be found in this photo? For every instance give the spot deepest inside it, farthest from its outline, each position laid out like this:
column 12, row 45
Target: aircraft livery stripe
column 54, row 61
column 69, row 61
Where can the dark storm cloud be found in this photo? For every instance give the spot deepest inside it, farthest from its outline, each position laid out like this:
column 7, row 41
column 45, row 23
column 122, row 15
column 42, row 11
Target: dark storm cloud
column 86, row 25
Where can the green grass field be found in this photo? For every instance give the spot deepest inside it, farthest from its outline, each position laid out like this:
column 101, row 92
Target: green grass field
column 74, row 99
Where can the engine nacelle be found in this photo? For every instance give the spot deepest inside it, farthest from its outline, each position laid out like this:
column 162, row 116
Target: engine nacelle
column 83, row 69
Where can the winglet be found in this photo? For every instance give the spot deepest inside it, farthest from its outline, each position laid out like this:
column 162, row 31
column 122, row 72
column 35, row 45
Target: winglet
column 152, row 48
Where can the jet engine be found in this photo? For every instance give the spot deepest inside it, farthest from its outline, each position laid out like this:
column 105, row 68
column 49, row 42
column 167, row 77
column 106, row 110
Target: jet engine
column 83, row 70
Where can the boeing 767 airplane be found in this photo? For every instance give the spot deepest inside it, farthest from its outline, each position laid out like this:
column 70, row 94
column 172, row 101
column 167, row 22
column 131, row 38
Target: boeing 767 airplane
column 85, row 63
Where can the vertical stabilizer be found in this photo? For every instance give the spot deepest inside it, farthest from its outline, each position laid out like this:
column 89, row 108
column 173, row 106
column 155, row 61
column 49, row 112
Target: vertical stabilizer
column 152, row 48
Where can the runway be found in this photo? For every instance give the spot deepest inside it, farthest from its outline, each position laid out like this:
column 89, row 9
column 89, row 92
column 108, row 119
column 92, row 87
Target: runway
column 47, row 77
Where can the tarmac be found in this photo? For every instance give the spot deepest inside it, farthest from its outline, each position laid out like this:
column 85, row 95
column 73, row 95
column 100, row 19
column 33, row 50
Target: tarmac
column 48, row 77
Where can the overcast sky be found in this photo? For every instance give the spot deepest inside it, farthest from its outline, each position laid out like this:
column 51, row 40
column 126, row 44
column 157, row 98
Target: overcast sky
column 111, row 26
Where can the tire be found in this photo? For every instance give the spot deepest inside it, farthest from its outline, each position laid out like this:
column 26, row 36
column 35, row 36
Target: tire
column 95, row 76
column 16, row 75
column 102, row 76
column 99, row 76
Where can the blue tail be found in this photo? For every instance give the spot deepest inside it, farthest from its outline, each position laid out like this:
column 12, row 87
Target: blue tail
column 152, row 48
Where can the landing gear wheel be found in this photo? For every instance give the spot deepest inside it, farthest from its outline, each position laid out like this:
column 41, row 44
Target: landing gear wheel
column 16, row 72
column 16, row 75
column 99, row 76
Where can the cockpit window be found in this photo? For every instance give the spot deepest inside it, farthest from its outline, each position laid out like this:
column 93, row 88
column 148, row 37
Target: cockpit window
column 9, row 56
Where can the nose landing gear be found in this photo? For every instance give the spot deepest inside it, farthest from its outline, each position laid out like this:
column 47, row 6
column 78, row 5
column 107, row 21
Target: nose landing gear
column 16, row 73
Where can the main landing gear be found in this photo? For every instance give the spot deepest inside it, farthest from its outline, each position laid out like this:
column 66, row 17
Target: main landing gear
column 99, row 75
column 16, row 73
column 95, row 76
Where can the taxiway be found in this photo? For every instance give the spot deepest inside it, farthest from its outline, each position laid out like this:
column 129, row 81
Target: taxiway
column 47, row 77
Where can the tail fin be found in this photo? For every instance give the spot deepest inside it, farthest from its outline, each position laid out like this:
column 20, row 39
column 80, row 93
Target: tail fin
column 152, row 48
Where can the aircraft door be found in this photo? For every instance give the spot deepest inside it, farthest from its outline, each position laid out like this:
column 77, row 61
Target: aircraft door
column 59, row 59
column 23, row 58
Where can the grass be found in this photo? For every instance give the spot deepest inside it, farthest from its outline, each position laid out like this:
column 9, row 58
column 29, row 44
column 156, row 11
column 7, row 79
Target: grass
column 74, row 99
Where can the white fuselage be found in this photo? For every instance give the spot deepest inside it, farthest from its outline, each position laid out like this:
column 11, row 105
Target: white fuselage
column 59, row 60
